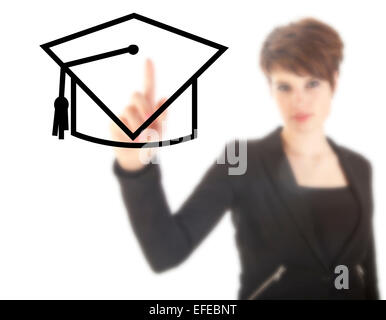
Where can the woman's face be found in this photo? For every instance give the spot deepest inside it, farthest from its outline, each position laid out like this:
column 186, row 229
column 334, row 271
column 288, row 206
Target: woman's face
column 304, row 101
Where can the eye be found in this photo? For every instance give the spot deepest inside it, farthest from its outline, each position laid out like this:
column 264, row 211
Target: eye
column 283, row 87
column 312, row 84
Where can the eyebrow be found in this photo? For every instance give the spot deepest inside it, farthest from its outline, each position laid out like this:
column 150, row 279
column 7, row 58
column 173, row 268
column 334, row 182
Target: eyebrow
column 309, row 78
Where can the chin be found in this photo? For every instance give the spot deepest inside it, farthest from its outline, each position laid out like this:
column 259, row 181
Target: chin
column 303, row 127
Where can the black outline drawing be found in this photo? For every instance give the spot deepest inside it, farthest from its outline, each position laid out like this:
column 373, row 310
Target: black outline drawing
column 61, row 104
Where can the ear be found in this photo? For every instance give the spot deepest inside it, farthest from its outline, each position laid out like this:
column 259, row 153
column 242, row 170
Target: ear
column 336, row 80
column 270, row 87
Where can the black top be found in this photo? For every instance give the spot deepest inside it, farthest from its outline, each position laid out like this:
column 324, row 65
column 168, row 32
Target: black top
column 335, row 213
column 281, row 256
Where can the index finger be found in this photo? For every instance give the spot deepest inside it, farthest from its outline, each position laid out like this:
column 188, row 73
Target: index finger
column 149, row 82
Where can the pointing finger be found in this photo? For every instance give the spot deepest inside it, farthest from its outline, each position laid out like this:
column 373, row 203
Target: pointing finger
column 149, row 82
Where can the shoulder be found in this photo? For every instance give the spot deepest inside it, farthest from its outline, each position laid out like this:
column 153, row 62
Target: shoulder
column 358, row 162
column 355, row 158
column 241, row 157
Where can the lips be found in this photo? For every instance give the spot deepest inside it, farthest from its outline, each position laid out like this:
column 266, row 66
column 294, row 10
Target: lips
column 302, row 116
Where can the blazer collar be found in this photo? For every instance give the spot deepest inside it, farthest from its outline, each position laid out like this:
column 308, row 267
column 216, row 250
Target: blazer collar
column 280, row 171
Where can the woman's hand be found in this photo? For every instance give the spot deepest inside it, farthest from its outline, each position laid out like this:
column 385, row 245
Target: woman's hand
column 141, row 107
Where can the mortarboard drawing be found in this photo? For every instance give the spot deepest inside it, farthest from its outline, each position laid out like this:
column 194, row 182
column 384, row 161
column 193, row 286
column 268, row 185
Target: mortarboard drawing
column 104, row 62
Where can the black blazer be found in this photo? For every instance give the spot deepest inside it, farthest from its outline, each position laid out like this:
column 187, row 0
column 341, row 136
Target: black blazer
column 280, row 255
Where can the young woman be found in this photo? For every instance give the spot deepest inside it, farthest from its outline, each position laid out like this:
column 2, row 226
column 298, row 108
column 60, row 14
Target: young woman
column 302, row 210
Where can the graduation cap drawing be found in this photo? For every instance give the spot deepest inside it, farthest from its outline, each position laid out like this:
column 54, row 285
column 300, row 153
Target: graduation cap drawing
column 101, row 60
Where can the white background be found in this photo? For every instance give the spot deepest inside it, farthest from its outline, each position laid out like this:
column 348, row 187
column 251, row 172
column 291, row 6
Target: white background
column 64, row 232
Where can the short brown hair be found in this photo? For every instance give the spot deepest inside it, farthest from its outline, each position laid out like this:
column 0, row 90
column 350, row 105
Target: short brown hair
column 307, row 46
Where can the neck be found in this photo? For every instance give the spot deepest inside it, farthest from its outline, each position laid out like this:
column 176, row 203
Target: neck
column 308, row 144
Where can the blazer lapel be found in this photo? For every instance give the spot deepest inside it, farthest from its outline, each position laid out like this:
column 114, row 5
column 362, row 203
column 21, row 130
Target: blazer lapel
column 284, row 181
column 359, row 186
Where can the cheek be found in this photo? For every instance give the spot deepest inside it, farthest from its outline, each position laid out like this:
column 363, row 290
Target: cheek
column 322, row 102
column 283, row 102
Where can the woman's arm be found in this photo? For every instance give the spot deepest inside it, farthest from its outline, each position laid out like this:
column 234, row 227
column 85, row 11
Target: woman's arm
column 372, row 292
column 168, row 239
column 370, row 263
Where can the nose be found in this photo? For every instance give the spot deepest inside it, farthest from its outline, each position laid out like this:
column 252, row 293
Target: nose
column 298, row 98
